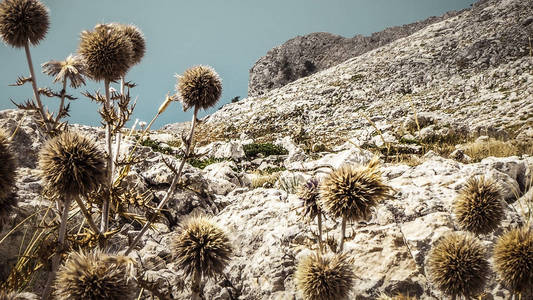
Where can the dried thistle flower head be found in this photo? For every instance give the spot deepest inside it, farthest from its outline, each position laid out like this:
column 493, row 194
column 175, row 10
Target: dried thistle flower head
column 106, row 51
column 309, row 195
column 17, row 296
column 201, row 247
column 352, row 191
column 136, row 37
column 457, row 265
column 95, row 275
column 8, row 173
column 513, row 259
column 479, row 206
column 72, row 68
column 199, row 86
column 23, row 21
column 72, row 164
column 325, row 278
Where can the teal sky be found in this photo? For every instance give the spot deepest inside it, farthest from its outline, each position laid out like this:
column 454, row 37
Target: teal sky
column 229, row 35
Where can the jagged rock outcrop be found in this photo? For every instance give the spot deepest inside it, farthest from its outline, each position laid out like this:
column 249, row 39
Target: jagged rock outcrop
column 304, row 55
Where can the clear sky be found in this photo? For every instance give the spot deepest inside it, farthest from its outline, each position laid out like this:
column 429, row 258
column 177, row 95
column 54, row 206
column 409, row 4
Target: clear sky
column 229, row 35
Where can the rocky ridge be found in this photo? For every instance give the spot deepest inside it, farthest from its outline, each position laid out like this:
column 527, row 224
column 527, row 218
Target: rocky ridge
column 305, row 55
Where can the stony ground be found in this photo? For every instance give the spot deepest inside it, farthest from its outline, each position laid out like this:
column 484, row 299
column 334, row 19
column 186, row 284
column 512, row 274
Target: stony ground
column 264, row 221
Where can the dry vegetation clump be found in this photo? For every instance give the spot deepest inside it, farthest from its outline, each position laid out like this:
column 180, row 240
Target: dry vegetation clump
column 479, row 150
column 513, row 259
column 457, row 265
column 95, row 275
column 201, row 249
column 8, row 173
column 479, row 205
column 325, row 278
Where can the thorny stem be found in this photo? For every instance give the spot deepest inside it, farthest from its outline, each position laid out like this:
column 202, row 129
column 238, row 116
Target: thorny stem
column 62, row 103
column 119, row 135
column 34, row 86
column 87, row 215
column 196, row 282
column 343, row 233
column 319, row 221
column 173, row 185
column 105, row 206
column 57, row 256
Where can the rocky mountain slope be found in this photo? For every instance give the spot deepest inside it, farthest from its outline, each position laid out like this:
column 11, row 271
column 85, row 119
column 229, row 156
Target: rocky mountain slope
column 470, row 74
column 304, row 55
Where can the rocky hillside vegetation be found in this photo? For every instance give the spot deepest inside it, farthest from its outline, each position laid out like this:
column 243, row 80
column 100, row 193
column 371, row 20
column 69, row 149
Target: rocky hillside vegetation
column 403, row 173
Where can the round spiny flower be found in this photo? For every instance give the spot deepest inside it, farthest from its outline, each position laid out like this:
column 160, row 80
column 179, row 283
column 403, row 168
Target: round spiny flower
column 95, row 275
column 106, row 52
column 457, row 265
column 72, row 68
column 309, row 195
column 23, row 21
column 351, row 192
column 479, row 206
column 72, row 165
column 17, row 296
column 199, row 86
column 513, row 259
column 8, row 173
column 201, row 247
column 137, row 41
column 325, row 278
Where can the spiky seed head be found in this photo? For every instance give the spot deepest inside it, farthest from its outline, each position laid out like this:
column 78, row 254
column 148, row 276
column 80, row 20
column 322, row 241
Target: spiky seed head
column 479, row 206
column 72, row 68
column 201, row 247
column 199, row 86
column 23, row 21
column 325, row 277
column 17, row 296
column 72, row 164
column 352, row 191
column 513, row 259
column 106, row 51
column 136, row 37
column 309, row 195
column 457, row 265
column 95, row 275
column 8, row 173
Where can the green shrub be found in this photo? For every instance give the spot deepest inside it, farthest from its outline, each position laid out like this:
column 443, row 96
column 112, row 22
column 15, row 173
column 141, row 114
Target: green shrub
column 267, row 149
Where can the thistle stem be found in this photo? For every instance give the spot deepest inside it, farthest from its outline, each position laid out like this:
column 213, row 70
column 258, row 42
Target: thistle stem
column 110, row 168
column 119, row 134
column 34, row 86
column 56, row 259
column 173, row 185
column 62, row 103
column 319, row 221
column 343, row 233
column 87, row 215
column 195, row 288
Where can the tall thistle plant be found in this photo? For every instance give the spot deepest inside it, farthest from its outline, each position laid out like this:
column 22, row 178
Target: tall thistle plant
column 24, row 23
column 71, row 69
column 199, row 87
column 350, row 193
column 71, row 166
column 107, row 53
